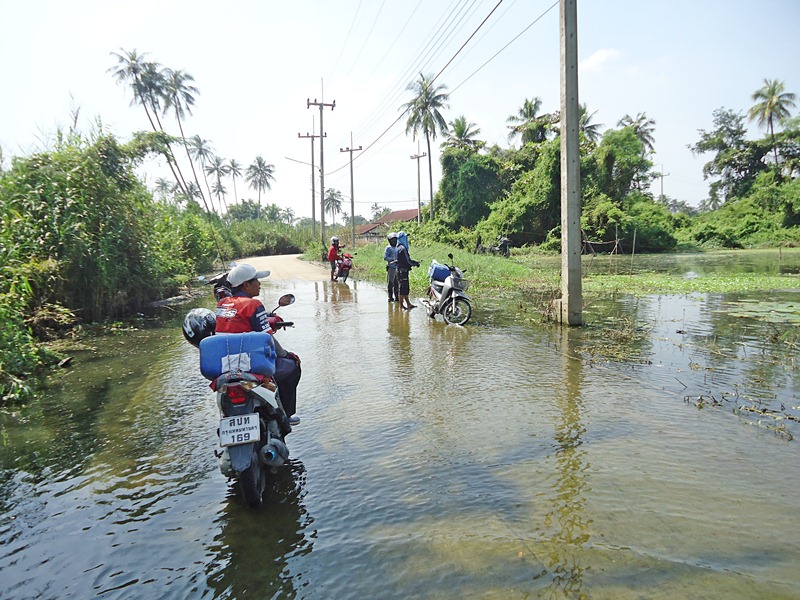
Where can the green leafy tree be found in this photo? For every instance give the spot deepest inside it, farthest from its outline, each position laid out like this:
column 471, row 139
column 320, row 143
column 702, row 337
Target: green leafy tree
column 259, row 175
column 246, row 210
column 470, row 183
column 772, row 103
column 736, row 161
column 424, row 115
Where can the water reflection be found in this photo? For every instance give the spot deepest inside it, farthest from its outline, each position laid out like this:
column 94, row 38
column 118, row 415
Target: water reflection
column 253, row 552
column 566, row 526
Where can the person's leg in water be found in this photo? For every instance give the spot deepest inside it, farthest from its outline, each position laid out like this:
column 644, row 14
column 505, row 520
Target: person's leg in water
column 391, row 277
column 287, row 376
column 404, row 289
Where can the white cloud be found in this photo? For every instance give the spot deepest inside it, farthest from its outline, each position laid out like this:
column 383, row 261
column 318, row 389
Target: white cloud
column 597, row 61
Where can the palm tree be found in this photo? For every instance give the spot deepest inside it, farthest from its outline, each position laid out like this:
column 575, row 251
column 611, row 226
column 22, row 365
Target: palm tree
column 288, row 215
column 591, row 131
column 220, row 191
column 642, row 127
column 179, row 96
column 235, row 170
column 333, row 202
column 528, row 124
column 147, row 84
column 201, row 150
column 462, row 135
column 259, row 175
column 771, row 103
column 423, row 115
column 218, row 169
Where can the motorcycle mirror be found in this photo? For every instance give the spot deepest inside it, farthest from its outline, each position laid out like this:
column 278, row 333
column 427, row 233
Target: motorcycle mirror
column 286, row 300
column 450, row 256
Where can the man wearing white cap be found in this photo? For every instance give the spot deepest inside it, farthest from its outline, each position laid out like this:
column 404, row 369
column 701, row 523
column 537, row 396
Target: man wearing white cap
column 242, row 312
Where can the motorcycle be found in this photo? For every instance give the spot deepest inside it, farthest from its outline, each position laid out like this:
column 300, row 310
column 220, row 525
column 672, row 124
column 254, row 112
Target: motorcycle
column 343, row 265
column 447, row 293
column 253, row 424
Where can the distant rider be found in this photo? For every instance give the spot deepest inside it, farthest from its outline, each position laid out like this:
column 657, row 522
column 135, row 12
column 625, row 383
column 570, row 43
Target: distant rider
column 404, row 264
column 333, row 255
column 242, row 312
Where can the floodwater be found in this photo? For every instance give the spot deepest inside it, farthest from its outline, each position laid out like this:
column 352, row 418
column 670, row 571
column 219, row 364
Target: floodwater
column 651, row 454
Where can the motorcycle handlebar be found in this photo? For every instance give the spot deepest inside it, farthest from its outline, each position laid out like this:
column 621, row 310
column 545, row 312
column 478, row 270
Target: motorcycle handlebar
column 284, row 324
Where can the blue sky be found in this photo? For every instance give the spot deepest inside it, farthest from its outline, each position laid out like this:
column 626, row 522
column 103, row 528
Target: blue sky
column 257, row 62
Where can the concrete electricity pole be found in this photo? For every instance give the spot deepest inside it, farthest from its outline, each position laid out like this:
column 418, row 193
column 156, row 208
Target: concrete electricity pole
column 662, row 183
column 313, row 180
column 571, row 285
column 322, row 106
column 352, row 193
column 419, row 199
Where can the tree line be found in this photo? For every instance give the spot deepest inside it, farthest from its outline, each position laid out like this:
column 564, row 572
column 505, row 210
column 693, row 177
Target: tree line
column 489, row 192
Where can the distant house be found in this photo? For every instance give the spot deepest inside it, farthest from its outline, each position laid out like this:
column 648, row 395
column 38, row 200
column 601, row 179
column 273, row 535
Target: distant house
column 377, row 230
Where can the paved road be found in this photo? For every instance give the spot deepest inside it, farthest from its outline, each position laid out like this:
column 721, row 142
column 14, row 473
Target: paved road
column 285, row 267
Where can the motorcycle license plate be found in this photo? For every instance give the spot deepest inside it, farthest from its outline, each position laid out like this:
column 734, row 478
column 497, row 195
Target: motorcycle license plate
column 243, row 429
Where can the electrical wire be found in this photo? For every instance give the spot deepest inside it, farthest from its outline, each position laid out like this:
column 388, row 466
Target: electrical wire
column 346, row 39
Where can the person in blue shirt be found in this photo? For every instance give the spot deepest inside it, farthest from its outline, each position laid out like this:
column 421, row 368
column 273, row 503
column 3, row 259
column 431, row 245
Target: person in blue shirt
column 390, row 256
column 404, row 264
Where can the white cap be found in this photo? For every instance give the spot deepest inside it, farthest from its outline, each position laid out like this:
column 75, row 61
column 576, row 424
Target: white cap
column 241, row 273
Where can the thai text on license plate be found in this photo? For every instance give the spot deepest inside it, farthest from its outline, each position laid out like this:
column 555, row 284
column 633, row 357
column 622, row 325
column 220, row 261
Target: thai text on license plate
column 242, row 429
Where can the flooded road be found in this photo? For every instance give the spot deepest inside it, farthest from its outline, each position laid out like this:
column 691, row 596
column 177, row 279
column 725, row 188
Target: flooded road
column 499, row 460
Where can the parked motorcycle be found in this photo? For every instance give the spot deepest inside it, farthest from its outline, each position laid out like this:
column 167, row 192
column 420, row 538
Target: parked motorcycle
column 252, row 424
column 447, row 293
column 343, row 265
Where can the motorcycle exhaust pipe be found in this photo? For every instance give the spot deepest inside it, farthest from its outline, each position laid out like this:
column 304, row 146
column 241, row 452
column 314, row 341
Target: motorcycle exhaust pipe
column 274, row 454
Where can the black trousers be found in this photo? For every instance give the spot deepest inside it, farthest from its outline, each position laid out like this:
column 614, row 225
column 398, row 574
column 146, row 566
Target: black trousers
column 287, row 376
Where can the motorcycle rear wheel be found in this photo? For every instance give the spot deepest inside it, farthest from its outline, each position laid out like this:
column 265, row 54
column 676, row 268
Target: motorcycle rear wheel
column 343, row 275
column 251, row 480
column 457, row 312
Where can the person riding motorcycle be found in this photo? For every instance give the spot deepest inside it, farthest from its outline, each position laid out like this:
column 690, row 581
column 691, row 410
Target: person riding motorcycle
column 242, row 312
column 333, row 255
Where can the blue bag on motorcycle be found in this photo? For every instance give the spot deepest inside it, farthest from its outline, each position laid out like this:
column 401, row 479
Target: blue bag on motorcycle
column 438, row 272
column 253, row 352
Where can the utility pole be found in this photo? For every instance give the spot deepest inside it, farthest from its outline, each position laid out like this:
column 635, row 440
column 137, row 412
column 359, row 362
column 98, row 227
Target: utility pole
column 419, row 198
column 313, row 180
column 322, row 106
column 352, row 193
column 662, row 183
column 571, row 285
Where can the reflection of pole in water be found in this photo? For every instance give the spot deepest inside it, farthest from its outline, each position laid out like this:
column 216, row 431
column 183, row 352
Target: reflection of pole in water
column 566, row 516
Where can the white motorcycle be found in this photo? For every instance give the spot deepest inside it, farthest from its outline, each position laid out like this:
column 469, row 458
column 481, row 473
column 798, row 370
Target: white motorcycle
column 447, row 293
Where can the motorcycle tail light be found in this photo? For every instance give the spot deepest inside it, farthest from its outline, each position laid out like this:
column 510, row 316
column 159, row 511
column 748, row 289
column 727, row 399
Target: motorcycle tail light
column 237, row 394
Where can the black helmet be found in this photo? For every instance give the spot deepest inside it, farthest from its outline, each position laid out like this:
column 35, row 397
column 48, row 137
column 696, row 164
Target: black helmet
column 198, row 324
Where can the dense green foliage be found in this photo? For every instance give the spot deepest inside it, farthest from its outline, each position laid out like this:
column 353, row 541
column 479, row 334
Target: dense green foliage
column 83, row 240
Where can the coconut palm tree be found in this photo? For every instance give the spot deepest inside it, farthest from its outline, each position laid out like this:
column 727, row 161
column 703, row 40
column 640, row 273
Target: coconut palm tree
column 234, row 170
column 771, row 103
column 591, row 131
column 333, row 202
column 179, row 96
column 217, row 168
column 259, row 175
column 424, row 115
column 288, row 215
column 643, row 127
column 201, row 150
column 147, row 83
column 528, row 124
column 462, row 135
